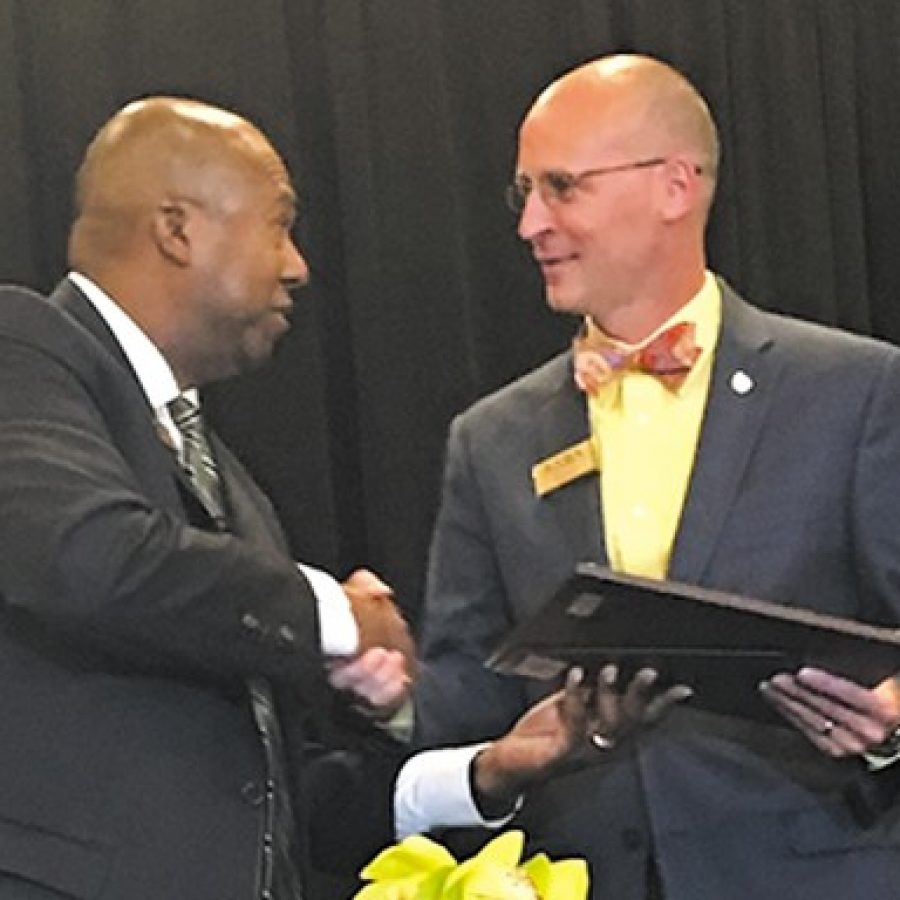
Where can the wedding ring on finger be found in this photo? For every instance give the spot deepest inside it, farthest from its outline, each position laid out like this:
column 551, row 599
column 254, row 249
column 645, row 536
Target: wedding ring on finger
column 826, row 727
column 602, row 742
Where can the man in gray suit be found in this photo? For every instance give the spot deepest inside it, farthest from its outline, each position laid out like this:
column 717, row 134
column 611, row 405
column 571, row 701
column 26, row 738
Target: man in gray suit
column 164, row 662
column 702, row 440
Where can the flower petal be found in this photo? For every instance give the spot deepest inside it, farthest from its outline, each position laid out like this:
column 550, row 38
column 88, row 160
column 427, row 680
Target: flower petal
column 493, row 882
column 414, row 854
column 539, row 870
column 568, row 881
column 504, row 850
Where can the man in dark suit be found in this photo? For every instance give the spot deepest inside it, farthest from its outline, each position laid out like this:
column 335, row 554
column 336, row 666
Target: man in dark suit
column 161, row 656
column 171, row 730
column 712, row 443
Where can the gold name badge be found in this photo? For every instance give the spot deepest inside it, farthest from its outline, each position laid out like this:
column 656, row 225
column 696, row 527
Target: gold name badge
column 564, row 467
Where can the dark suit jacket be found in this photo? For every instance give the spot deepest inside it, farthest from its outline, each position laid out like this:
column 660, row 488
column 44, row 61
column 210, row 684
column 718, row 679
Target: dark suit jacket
column 130, row 765
column 795, row 498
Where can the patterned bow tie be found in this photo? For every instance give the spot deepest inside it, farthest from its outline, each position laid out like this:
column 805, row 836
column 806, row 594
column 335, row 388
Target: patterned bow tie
column 668, row 357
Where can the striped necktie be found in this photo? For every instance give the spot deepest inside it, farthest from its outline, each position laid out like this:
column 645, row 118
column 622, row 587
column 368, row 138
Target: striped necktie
column 279, row 876
column 197, row 459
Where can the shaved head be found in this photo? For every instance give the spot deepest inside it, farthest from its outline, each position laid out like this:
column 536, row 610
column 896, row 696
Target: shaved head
column 650, row 103
column 616, row 173
column 157, row 150
column 184, row 214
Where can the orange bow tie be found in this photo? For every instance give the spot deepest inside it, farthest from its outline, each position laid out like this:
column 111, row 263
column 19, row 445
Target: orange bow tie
column 668, row 357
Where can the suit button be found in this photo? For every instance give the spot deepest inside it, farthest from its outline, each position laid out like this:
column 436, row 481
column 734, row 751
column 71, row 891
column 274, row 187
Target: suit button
column 632, row 839
column 253, row 793
column 287, row 635
column 251, row 623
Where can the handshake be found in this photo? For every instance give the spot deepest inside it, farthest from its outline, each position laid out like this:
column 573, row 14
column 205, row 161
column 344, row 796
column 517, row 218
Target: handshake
column 381, row 674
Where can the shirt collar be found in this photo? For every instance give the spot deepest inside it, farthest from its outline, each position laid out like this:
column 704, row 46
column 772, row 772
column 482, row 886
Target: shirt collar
column 703, row 310
column 154, row 373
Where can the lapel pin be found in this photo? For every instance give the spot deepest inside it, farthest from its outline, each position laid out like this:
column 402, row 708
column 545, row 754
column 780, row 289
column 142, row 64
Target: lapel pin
column 742, row 383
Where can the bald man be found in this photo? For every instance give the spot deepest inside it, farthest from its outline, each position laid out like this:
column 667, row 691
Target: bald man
column 161, row 655
column 728, row 448
column 171, row 732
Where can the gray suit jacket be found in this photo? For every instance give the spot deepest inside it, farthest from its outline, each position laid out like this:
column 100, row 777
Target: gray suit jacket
column 795, row 498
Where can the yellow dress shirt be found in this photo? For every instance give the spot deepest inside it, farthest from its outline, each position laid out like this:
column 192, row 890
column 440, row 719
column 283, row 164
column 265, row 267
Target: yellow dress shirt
column 645, row 437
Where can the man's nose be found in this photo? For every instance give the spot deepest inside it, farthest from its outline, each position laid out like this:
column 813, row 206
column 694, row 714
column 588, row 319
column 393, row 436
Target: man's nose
column 535, row 218
column 295, row 272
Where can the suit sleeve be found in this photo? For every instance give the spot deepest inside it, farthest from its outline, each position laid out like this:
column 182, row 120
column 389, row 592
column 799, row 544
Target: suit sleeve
column 458, row 700
column 876, row 511
column 96, row 572
column 875, row 516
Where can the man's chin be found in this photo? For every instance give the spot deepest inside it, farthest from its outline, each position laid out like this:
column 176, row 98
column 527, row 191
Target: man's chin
column 245, row 359
column 258, row 355
column 564, row 302
column 260, row 345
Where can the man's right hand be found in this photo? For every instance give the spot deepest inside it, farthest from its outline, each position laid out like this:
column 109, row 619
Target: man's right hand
column 381, row 673
column 379, row 620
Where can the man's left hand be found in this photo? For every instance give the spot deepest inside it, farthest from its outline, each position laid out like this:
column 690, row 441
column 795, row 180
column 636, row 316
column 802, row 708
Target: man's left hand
column 837, row 715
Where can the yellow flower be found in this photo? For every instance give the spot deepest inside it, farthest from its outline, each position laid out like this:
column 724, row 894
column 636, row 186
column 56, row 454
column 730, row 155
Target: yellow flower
column 414, row 869
column 419, row 869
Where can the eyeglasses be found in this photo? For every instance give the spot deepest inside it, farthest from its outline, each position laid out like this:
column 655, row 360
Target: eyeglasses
column 561, row 187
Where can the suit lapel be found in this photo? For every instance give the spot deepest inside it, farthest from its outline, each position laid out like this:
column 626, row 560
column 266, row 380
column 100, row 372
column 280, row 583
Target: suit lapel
column 76, row 306
column 251, row 514
column 574, row 507
column 71, row 301
column 743, row 377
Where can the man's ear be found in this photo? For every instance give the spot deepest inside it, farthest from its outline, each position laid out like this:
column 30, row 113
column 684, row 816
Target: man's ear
column 172, row 231
column 682, row 188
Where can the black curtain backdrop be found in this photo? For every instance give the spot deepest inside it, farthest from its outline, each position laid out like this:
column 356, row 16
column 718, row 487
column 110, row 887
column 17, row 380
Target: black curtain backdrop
column 398, row 120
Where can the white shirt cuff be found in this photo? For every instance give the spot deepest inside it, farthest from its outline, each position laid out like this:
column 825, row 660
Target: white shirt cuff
column 338, row 633
column 432, row 791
